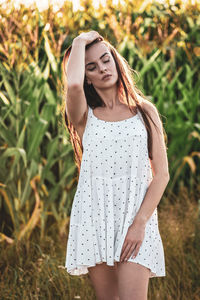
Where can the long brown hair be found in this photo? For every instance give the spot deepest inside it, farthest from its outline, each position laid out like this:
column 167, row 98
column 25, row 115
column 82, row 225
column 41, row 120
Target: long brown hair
column 126, row 87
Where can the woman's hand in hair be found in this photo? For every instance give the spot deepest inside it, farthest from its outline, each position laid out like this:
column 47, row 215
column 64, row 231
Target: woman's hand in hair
column 88, row 37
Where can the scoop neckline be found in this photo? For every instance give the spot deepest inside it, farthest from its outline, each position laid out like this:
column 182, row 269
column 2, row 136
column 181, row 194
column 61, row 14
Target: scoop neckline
column 112, row 121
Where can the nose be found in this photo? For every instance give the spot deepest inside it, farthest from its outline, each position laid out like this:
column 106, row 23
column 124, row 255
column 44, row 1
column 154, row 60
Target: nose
column 102, row 67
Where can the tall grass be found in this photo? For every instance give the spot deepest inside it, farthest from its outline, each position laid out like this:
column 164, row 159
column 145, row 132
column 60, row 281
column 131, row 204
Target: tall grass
column 35, row 269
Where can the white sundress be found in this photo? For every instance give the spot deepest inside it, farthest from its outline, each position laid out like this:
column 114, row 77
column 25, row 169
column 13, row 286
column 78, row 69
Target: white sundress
column 115, row 174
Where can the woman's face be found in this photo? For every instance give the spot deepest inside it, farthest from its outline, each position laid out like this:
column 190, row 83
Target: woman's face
column 99, row 62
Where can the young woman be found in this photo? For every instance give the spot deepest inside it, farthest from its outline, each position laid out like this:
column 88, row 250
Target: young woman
column 120, row 151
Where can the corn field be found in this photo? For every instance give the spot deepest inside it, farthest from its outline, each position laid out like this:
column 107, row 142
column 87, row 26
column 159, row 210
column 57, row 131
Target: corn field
column 38, row 176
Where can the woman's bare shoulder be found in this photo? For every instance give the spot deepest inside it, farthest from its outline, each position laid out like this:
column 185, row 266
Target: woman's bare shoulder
column 153, row 112
column 148, row 105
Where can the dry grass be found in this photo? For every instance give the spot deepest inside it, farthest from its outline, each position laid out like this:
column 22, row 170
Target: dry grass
column 35, row 269
column 179, row 224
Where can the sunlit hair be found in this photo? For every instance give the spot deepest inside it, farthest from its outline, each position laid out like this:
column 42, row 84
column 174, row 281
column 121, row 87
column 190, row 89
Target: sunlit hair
column 127, row 92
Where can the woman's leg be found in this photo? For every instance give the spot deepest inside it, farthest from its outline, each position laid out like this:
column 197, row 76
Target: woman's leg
column 104, row 280
column 133, row 280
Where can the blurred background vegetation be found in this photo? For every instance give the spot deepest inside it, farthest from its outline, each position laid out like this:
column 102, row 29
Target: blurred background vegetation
column 38, row 176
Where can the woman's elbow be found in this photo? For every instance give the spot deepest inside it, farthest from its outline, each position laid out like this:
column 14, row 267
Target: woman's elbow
column 164, row 176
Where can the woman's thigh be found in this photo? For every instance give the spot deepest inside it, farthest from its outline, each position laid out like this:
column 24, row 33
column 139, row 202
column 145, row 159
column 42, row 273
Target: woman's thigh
column 133, row 280
column 105, row 281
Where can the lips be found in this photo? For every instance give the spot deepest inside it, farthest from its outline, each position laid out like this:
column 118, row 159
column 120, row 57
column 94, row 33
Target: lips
column 105, row 76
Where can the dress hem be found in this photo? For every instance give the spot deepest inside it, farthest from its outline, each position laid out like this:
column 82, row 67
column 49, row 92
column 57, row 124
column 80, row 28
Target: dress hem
column 84, row 269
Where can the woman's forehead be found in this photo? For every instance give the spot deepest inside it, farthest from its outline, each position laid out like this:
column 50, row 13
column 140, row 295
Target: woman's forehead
column 95, row 51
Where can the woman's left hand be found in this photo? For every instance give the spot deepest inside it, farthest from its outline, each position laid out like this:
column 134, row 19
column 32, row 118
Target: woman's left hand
column 133, row 241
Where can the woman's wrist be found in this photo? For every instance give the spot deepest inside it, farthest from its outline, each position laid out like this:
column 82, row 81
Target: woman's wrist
column 78, row 41
column 140, row 220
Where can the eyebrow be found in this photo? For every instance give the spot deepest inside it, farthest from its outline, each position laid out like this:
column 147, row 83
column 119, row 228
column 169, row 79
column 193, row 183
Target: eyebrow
column 99, row 58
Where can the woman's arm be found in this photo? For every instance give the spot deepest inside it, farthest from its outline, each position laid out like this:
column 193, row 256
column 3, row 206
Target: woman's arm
column 75, row 68
column 76, row 103
column 159, row 166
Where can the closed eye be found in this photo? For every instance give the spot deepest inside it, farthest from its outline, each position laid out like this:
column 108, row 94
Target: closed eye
column 95, row 67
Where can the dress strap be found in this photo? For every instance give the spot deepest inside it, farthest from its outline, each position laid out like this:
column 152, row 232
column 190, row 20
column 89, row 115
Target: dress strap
column 90, row 111
column 140, row 116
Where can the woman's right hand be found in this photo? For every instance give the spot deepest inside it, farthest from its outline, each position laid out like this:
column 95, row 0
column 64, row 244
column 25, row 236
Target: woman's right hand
column 88, row 37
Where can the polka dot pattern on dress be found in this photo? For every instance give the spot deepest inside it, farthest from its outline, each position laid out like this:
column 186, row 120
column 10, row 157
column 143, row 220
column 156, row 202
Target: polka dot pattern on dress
column 114, row 177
